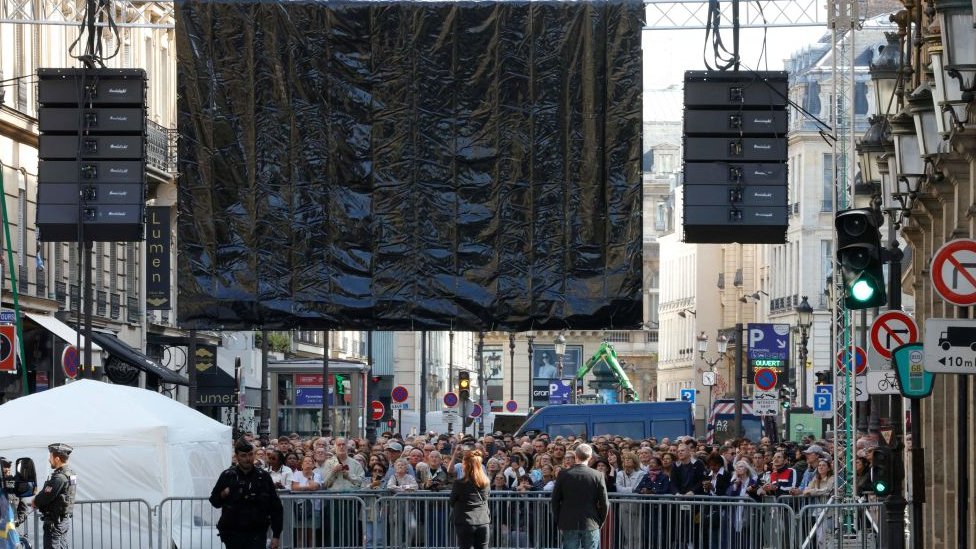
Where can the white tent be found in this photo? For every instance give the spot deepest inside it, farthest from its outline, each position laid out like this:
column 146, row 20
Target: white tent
column 129, row 443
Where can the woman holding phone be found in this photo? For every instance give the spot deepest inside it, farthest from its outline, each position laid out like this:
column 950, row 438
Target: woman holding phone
column 469, row 503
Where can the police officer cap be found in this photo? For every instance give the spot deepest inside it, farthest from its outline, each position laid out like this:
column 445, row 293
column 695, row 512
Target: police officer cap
column 60, row 449
column 243, row 446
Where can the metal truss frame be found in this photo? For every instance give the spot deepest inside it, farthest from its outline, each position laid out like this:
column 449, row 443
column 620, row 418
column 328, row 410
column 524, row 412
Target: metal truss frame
column 126, row 13
column 693, row 14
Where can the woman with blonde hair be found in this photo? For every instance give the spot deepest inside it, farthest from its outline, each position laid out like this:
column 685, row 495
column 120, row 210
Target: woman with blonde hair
column 469, row 503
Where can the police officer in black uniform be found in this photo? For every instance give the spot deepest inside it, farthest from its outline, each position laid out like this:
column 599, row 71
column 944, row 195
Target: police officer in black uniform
column 56, row 499
column 249, row 501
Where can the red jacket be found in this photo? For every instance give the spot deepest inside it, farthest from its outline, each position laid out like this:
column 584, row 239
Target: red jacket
column 784, row 479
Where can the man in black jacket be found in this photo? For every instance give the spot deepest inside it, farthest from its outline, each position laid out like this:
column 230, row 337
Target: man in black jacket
column 579, row 502
column 688, row 479
column 249, row 501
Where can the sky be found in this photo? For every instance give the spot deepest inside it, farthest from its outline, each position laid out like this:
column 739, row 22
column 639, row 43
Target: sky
column 668, row 53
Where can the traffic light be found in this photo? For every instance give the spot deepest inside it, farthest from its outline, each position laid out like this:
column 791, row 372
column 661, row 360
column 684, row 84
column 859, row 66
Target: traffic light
column 823, row 377
column 881, row 471
column 464, row 385
column 859, row 255
column 786, row 397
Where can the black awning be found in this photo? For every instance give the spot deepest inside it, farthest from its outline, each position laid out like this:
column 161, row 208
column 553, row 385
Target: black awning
column 134, row 357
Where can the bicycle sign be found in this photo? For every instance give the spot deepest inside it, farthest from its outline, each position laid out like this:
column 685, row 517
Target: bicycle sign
column 883, row 383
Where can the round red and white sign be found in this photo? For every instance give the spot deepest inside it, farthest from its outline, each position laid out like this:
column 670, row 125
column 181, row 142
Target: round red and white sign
column 954, row 272
column 376, row 410
column 890, row 330
column 860, row 360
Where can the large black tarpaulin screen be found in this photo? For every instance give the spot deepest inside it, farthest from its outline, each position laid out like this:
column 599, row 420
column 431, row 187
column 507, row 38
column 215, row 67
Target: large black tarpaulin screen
column 410, row 165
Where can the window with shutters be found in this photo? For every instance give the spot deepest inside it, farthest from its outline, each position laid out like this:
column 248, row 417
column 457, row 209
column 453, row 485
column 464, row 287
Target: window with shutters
column 828, row 183
column 98, row 277
column 113, row 267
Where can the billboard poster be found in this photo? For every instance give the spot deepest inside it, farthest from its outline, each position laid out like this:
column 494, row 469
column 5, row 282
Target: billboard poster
column 545, row 369
column 494, row 372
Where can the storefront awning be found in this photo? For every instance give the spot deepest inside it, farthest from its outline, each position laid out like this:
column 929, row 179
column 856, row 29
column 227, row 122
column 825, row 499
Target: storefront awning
column 134, row 357
column 60, row 329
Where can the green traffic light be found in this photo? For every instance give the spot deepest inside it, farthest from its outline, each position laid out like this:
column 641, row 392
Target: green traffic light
column 880, row 487
column 862, row 290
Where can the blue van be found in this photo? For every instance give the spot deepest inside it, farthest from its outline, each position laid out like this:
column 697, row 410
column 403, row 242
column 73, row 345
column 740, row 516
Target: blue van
column 636, row 420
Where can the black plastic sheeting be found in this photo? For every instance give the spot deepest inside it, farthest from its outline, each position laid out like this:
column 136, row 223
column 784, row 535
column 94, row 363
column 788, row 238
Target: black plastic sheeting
column 411, row 165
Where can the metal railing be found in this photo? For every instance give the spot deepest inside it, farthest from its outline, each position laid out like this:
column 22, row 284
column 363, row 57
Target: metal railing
column 519, row 520
column 161, row 150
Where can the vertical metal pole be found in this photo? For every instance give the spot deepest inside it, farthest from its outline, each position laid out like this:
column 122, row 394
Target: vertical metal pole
column 87, row 266
column 894, row 534
column 191, row 370
column 963, row 454
column 264, row 428
column 481, row 382
column 423, row 381
column 528, row 405
column 511, row 354
column 735, row 33
column 370, row 388
column 450, row 378
column 739, row 344
column 326, row 420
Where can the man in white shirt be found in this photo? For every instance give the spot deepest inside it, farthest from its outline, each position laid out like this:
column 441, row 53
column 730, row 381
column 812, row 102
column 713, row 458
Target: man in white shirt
column 342, row 473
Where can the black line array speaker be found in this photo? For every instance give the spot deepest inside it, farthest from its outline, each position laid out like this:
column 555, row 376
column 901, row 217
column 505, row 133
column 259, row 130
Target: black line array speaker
column 735, row 157
column 92, row 147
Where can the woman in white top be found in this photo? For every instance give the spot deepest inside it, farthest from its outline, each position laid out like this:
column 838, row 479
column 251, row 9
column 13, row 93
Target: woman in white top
column 280, row 473
column 514, row 472
column 628, row 477
column 401, row 480
column 307, row 516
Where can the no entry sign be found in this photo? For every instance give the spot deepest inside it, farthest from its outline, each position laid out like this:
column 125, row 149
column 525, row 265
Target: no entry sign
column 954, row 272
column 889, row 331
column 376, row 410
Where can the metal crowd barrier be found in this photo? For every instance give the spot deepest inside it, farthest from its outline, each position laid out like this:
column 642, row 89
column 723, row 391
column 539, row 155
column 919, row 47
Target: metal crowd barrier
column 102, row 524
column 519, row 520
column 841, row 525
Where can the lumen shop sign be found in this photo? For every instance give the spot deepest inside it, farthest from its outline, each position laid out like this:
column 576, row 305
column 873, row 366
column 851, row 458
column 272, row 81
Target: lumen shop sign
column 158, row 245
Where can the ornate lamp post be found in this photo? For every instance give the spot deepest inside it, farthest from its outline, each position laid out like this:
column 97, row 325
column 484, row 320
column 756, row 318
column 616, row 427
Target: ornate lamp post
column 708, row 377
column 804, row 319
column 559, row 344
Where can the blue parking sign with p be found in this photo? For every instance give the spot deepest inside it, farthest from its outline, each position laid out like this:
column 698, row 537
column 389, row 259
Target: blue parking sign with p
column 688, row 395
column 822, row 398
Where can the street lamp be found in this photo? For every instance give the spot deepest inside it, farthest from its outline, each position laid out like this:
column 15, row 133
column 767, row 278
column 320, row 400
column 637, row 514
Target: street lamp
column 559, row 344
column 708, row 378
column 804, row 318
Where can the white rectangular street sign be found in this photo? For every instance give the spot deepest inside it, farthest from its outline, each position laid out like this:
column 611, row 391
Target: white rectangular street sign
column 950, row 345
column 882, row 383
column 451, row 415
column 765, row 403
column 860, row 389
column 399, row 406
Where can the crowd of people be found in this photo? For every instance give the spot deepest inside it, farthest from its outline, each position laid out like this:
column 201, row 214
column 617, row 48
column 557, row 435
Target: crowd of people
column 683, row 465
column 522, row 465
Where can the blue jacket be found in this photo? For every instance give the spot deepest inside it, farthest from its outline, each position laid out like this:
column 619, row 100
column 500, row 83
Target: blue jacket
column 660, row 485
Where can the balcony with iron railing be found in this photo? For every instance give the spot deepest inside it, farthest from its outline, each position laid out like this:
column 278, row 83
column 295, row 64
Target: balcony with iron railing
column 161, row 147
